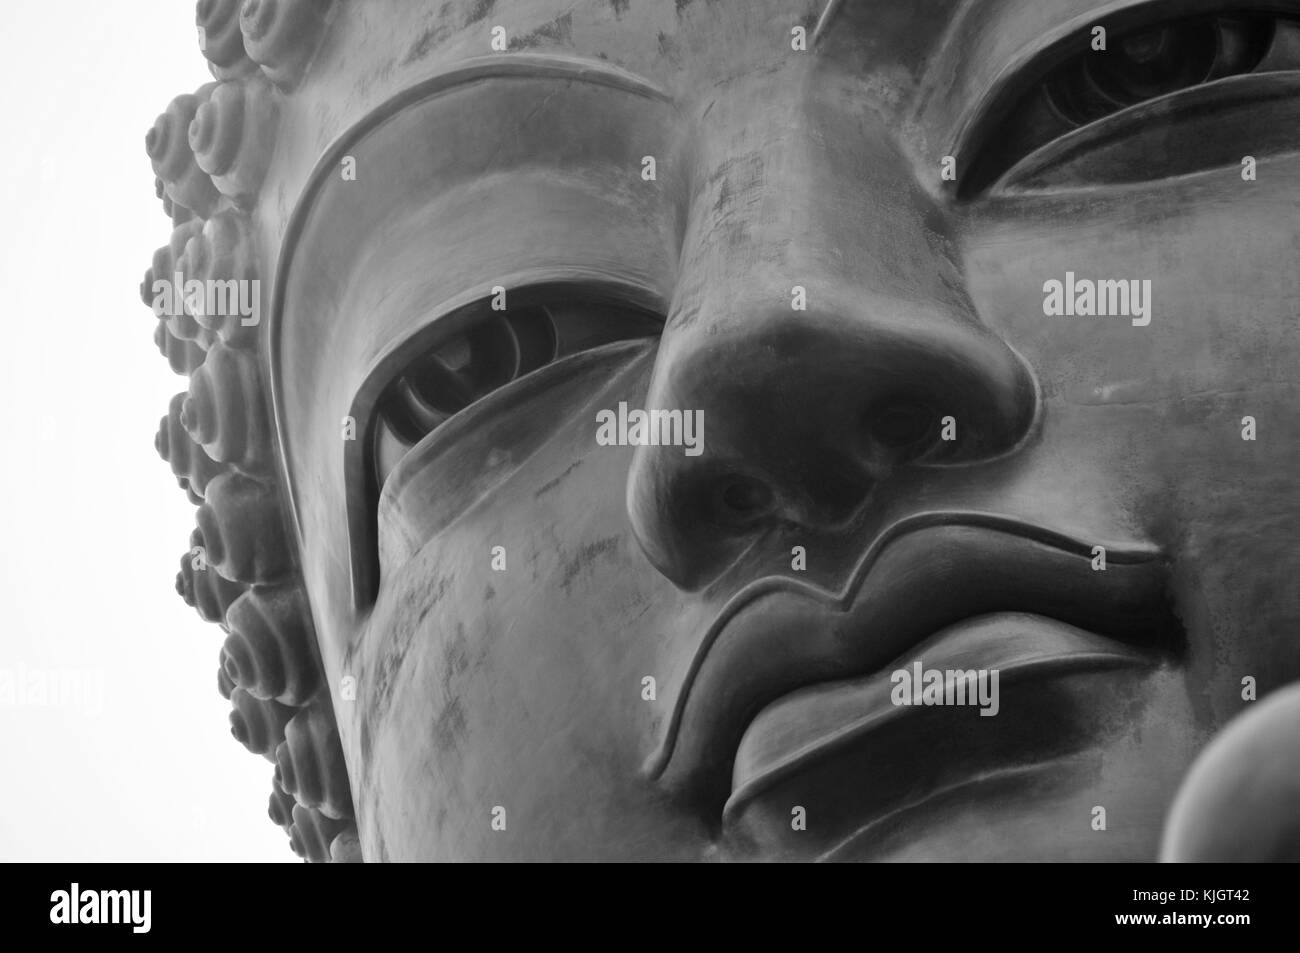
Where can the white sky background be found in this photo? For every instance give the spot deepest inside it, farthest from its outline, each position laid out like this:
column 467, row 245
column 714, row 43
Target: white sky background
column 92, row 524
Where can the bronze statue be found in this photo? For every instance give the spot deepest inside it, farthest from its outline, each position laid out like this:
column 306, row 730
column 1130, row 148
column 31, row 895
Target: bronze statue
column 744, row 429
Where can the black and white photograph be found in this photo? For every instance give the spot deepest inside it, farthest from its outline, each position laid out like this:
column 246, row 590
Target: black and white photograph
column 653, row 431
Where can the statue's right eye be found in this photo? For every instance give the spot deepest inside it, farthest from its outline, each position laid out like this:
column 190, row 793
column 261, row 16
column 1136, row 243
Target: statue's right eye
column 471, row 365
column 495, row 349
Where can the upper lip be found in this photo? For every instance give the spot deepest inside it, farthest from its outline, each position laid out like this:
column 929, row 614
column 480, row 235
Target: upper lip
column 924, row 573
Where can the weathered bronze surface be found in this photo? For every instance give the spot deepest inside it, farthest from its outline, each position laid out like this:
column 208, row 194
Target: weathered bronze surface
column 467, row 626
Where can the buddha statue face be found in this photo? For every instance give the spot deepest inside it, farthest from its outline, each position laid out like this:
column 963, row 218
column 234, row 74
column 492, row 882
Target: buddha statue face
column 747, row 429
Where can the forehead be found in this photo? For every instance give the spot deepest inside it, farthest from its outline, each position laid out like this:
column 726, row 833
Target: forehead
column 926, row 65
column 938, row 57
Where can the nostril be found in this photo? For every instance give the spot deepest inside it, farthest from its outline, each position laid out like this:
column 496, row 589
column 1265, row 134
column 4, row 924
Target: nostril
column 740, row 498
column 900, row 425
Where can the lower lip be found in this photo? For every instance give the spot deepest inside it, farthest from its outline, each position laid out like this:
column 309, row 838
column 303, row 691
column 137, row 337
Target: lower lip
column 851, row 736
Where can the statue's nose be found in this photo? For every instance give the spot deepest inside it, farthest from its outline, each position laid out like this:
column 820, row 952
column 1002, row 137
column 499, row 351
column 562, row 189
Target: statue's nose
column 825, row 344
column 803, row 418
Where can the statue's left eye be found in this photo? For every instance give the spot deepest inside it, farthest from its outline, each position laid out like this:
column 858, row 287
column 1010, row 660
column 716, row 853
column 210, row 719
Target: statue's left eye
column 1154, row 62
column 497, row 348
column 1144, row 102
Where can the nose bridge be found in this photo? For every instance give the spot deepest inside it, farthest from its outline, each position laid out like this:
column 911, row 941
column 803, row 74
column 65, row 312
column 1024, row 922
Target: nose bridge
column 820, row 324
column 799, row 183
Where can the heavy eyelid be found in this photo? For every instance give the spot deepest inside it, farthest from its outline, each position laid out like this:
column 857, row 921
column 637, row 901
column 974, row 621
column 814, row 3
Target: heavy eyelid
column 452, row 317
column 625, row 319
column 1034, row 61
column 463, row 312
column 1229, row 94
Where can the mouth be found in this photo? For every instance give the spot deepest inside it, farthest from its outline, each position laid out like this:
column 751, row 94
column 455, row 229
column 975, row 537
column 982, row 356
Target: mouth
column 789, row 678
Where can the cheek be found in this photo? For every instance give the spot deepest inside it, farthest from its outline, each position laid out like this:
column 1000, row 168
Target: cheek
column 1156, row 416
column 503, row 664
column 1219, row 256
